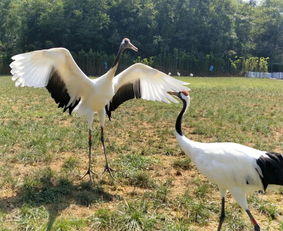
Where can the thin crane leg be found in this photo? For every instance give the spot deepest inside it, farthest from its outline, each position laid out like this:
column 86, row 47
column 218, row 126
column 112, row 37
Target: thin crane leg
column 222, row 215
column 89, row 171
column 256, row 226
column 107, row 167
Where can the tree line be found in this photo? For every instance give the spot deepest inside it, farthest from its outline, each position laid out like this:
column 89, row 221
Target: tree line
column 188, row 36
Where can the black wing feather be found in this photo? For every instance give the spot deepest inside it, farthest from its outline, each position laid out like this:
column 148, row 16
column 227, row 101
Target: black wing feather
column 272, row 169
column 59, row 92
column 124, row 93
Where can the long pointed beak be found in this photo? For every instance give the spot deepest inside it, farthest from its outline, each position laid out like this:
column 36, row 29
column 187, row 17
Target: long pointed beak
column 172, row 93
column 133, row 47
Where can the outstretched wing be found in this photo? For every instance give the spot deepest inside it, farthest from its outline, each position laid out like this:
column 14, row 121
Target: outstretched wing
column 142, row 81
column 54, row 69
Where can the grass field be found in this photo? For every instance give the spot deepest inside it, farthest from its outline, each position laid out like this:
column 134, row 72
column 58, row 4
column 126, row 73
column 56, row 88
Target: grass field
column 43, row 154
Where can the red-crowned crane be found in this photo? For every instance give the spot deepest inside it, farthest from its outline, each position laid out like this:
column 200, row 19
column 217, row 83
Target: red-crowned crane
column 233, row 167
column 72, row 90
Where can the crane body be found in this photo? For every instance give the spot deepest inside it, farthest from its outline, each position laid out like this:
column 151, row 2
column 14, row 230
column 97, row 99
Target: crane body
column 234, row 167
column 56, row 70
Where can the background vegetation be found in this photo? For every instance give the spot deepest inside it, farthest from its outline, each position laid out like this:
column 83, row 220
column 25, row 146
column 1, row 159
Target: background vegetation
column 43, row 154
column 177, row 35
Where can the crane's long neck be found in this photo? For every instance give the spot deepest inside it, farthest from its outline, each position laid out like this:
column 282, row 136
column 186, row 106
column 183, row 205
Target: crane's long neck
column 117, row 59
column 111, row 72
column 178, row 124
column 186, row 144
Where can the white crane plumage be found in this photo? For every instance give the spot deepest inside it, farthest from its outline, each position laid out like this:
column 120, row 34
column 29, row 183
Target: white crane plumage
column 233, row 167
column 72, row 90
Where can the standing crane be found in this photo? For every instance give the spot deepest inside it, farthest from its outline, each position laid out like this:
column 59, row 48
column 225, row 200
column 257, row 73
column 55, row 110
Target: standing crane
column 56, row 70
column 234, row 167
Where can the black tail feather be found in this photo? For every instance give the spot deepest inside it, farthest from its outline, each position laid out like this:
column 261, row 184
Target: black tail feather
column 272, row 169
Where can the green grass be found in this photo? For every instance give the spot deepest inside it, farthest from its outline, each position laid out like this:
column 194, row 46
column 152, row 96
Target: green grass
column 43, row 155
column 264, row 207
column 184, row 164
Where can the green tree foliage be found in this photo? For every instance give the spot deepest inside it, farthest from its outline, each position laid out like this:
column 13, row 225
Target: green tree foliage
column 73, row 24
column 176, row 35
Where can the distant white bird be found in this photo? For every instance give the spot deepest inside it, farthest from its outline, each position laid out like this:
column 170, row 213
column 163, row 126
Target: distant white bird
column 234, row 167
column 191, row 75
column 169, row 73
column 72, row 90
column 178, row 73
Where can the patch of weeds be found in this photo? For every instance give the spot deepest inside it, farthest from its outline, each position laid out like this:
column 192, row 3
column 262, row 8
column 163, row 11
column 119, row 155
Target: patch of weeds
column 6, row 178
column 36, row 149
column 264, row 207
column 2, row 221
column 184, row 164
column 200, row 129
column 201, row 190
column 69, row 224
column 70, row 164
column 32, row 218
column 70, row 167
column 103, row 219
column 134, row 216
column 41, row 187
column 196, row 210
column 31, row 156
column 7, row 134
column 88, row 194
column 133, row 167
column 214, row 206
column 181, row 225
column 170, row 151
column 113, row 147
column 141, row 179
column 199, row 213
column 44, row 188
column 38, row 179
column 199, row 182
column 234, row 220
column 86, row 198
column 135, row 162
column 160, row 194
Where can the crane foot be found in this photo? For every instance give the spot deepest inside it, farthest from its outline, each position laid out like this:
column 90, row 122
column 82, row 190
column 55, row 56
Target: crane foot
column 90, row 173
column 108, row 169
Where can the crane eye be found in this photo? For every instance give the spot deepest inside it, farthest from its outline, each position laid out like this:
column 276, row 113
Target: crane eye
column 126, row 40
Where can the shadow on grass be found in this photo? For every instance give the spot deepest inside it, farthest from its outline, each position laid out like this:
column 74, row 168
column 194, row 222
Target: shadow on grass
column 54, row 195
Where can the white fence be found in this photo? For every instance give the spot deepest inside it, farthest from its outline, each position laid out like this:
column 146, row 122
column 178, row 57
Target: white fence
column 273, row 75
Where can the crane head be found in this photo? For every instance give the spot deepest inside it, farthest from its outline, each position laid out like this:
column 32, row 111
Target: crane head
column 126, row 44
column 183, row 95
column 180, row 93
